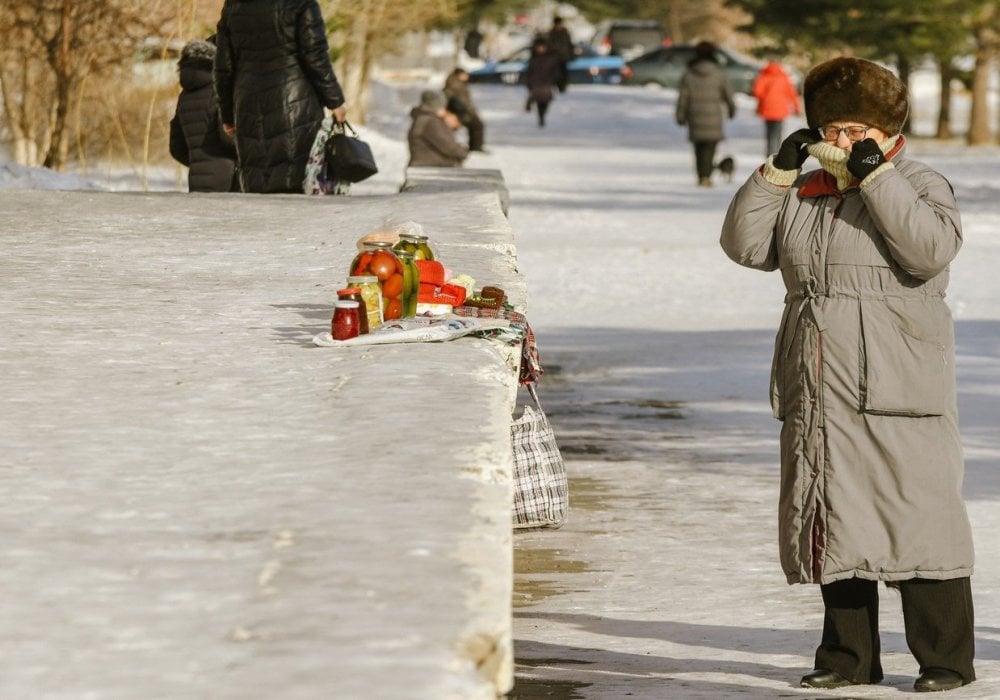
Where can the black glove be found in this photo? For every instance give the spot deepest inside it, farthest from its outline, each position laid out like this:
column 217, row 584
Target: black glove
column 865, row 157
column 793, row 153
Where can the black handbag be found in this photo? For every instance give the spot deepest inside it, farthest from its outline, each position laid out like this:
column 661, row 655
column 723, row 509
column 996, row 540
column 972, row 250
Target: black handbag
column 348, row 158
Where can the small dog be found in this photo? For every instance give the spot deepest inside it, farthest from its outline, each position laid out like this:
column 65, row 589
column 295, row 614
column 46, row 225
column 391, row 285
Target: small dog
column 726, row 166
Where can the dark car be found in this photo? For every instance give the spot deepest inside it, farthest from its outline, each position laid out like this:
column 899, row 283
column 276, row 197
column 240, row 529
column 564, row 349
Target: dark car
column 628, row 38
column 665, row 66
column 587, row 66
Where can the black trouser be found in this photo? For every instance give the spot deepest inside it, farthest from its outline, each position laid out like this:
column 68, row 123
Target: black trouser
column 542, row 108
column 477, row 131
column 704, row 158
column 937, row 615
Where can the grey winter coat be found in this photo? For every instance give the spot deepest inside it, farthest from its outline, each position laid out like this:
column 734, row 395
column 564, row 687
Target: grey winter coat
column 273, row 77
column 863, row 376
column 704, row 101
column 432, row 142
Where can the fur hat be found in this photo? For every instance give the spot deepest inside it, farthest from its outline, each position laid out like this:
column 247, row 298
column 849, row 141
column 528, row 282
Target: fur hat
column 198, row 51
column 853, row 89
column 433, row 99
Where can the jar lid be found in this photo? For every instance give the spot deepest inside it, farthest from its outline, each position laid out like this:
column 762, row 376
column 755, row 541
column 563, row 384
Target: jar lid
column 419, row 237
column 377, row 245
column 346, row 304
column 404, row 253
column 349, row 290
column 362, row 279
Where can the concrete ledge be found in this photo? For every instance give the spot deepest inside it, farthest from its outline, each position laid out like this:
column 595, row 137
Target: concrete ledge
column 430, row 179
column 199, row 502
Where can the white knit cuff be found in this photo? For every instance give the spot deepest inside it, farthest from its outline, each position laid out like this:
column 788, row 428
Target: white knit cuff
column 777, row 176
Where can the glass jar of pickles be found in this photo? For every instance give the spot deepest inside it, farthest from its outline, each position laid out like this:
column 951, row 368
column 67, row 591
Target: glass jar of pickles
column 371, row 294
column 377, row 259
column 411, row 283
column 416, row 243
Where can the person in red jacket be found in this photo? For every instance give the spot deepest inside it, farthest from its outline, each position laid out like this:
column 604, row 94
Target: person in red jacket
column 777, row 99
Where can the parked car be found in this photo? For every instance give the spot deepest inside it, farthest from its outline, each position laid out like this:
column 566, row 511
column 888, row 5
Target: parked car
column 628, row 38
column 665, row 66
column 586, row 67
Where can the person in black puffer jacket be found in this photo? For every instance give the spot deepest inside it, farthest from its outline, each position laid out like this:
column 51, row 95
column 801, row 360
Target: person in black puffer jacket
column 197, row 138
column 273, row 77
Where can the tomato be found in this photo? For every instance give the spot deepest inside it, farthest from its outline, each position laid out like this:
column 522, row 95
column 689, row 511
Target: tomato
column 363, row 260
column 392, row 286
column 393, row 309
column 383, row 265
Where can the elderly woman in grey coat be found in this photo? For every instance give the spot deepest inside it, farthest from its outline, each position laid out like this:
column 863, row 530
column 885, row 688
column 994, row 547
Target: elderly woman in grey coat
column 704, row 101
column 863, row 376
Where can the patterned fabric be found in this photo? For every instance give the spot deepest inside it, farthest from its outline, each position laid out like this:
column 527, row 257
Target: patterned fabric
column 541, row 489
column 531, row 366
column 315, row 181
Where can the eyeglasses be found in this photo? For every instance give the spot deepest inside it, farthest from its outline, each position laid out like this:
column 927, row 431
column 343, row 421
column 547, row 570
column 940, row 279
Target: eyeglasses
column 854, row 133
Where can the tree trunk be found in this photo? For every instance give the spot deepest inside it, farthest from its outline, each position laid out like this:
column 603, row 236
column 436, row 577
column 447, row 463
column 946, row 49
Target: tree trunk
column 903, row 66
column 947, row 73
column 979, row 117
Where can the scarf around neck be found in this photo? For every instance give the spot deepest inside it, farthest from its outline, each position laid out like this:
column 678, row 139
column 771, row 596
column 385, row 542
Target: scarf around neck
column 834, row 160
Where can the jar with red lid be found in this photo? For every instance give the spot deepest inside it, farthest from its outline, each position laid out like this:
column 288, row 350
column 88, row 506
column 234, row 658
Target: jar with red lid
column 354, row 294
column 377, row 258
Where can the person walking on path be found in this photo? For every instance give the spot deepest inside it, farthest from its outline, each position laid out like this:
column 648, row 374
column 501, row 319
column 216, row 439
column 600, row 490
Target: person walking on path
column 274, row 78
column 541, row 77
column 197, row 138
column 777, row 99
column 431, row 138
column 456, row 89
column 863, row 376
column 561, row 44
column 704, row 101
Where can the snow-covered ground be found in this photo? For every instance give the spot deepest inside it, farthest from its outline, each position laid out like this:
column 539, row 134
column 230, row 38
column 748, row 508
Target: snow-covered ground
column 665, row 581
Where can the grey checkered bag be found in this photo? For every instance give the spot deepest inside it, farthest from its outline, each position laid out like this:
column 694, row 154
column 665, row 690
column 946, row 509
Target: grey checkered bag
column 541, row 491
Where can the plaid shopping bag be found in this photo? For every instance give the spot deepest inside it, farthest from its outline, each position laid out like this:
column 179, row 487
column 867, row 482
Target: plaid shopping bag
column 541, row 489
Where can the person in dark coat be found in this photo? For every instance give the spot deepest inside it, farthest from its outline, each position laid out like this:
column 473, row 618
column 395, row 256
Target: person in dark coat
column 541, row 76
column 431, row 137
column 863, row 377
column 562, row 46
column 704, row 100
column 456, row 89
column 197, row 138
column 273, row 77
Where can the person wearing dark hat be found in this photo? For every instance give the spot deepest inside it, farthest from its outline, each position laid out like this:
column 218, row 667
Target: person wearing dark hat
column 863, row 376
column 704, row 100
column 197, row 138
column 456, row 90
column 431, row 137
column 541, row 77
column 561, row 44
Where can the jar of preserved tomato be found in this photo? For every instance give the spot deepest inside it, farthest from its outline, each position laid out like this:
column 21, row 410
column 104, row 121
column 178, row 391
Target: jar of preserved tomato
column 411, row 283
column 416, row 243
column 378, row 259
column 371, row 294
column 346, row 323
column 354, row 294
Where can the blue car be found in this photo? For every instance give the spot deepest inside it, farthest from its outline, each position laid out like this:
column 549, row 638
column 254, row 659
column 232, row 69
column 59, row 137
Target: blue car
column 587, row 66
